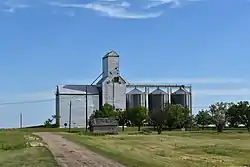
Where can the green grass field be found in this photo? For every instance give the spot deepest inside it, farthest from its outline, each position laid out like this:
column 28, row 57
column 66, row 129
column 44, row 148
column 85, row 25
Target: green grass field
column 15, row 151
column 174, row 149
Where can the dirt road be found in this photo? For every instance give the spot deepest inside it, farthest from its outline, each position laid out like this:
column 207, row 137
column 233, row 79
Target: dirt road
column 69, row 154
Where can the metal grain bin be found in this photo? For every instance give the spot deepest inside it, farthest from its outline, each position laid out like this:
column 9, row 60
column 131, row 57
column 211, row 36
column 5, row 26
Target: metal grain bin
column 157, row 99
column 134, row 98
column 181, row 96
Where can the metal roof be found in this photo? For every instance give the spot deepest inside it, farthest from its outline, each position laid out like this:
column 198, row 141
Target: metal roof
column 158, row 91
column 101, row 80
column 156, row 85
column 78, row 89
column 135, row 91
column 111, row 54
column 181, row 91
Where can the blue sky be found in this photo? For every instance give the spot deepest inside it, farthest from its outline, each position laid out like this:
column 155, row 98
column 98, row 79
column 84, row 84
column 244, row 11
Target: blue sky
column 44, row 43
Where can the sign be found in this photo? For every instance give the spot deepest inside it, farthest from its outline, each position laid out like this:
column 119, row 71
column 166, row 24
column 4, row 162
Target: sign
column 104, row 125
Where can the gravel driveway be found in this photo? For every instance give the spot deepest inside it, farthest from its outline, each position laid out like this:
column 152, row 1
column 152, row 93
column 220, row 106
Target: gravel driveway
column 69, row 154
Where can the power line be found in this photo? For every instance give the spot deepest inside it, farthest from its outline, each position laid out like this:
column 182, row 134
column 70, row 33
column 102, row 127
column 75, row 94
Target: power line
column 32, row 101
column 26, row 102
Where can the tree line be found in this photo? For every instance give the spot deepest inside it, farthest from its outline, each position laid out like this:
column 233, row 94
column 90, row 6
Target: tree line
column 176, row 116
column 222, row 113
column 171, row 116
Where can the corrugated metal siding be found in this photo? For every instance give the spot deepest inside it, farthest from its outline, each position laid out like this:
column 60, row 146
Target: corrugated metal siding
column 109, row 64
column 78, row 89
column 180, row 97
column 135, row 98
column 119, row 91
column 105, row 67
column 78, row 109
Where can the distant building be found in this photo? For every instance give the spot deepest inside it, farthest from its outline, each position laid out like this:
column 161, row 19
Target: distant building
column 112, row 89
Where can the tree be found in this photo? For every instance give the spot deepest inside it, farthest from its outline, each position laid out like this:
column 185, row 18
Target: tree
column 203, row 118
column 177, row 115
column 106, row 111
column 137, row 115
column 187, row 117
column 170, row 118
column 122, row 117
column 171, row 115
column 181, row 115
column 218, row 112
column 233, row 115
column 152, row 119
column 159, row 119
column 240, row 113
column 48, row 123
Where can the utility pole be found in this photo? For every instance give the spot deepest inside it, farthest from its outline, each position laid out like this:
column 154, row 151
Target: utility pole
column 86, row 108
column 21, row 120
column 113, row 87
column 113, row 93
column 190, row 103
column 70, row 113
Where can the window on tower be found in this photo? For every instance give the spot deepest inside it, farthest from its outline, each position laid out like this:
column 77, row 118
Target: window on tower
column 116, row 79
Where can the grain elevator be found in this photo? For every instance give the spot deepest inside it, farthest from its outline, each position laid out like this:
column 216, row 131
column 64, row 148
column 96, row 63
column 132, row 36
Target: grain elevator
column 110, row 87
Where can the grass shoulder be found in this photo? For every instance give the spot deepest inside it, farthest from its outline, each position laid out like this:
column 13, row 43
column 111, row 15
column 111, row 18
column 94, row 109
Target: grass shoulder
column 22, row 149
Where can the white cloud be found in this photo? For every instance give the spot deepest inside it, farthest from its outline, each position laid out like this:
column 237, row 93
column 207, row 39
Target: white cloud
column 12, row 6
column 125, row 4
column 156, row 3
column 188, row 80
column 111, row 9
column 172, row 3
